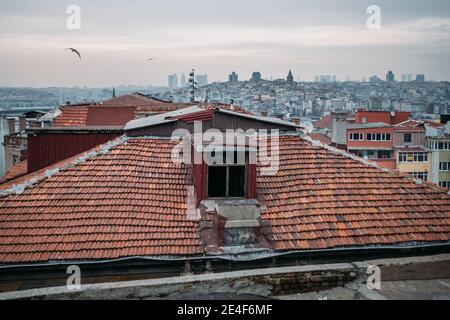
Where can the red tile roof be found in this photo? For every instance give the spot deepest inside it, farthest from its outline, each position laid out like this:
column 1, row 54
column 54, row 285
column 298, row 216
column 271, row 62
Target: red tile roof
column 131, row 201
column 71, row 116
column 320, row 199
column 14, row 172
column 324, row 123
column 114, row 112
column 410, row 125
column 143, row 103
column 323, row 138
column 109, row 116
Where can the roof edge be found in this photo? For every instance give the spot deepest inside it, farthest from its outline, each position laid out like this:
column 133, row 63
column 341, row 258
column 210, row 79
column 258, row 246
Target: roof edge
column 246, row 256
column 19, row 188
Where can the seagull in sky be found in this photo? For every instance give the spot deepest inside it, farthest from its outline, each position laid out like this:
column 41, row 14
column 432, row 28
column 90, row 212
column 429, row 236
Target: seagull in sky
column 74, row 51
column 150, row 59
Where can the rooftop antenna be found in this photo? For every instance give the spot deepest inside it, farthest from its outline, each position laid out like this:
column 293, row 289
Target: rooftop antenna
column 193, row 83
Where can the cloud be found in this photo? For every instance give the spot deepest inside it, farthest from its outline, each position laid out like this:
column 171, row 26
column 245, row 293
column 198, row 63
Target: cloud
column 218, row 35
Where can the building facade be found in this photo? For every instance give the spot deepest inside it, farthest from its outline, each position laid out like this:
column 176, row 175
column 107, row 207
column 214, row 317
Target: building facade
column 440, row 160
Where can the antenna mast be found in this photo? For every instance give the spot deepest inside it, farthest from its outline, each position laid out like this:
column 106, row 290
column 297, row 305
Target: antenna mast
column 193, row 83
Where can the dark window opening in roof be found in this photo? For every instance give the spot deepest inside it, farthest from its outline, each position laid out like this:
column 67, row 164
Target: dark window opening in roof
column 227, row 178
column 217, row 182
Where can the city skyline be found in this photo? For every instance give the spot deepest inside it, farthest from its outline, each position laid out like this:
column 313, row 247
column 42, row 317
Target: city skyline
column 217, row 39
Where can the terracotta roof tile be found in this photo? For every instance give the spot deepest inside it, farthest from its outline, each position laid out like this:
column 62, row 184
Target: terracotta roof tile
column 131, row 201
column 115, row 111
column 71, row 116
column 324, row 123
column 323, row 138
column 15, row 171
column 323, row 200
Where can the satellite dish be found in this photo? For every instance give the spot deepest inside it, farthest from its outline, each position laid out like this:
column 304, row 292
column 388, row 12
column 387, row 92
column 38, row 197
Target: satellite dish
column 392, row 113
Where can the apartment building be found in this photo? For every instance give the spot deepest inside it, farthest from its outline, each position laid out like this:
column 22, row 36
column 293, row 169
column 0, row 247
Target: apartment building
column 373, row 141
column 440, row 160
column 412, row 155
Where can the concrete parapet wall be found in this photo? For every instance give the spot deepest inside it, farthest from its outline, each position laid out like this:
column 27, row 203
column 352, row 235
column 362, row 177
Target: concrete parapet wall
column 260, row 282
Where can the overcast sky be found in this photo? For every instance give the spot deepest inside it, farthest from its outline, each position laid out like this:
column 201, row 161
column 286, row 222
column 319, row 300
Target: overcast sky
column 311, row 37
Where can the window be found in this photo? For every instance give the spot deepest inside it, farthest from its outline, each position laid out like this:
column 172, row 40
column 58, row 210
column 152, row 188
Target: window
column 413, row 157
column 420, row 175
column 354, row 136
column 443, row 145
column 384, row 154
column 227, row 180
column 444, row 166
column 217, row 182
column 407, row 138
column 363, row 120
column 379, row 137
column 445, row 184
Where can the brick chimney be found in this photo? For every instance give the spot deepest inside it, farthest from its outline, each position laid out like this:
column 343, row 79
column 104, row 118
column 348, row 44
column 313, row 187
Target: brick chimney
column 11, row 126
column 22, row 123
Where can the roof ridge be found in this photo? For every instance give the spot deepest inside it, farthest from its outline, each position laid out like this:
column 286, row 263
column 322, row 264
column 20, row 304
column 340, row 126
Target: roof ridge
column 419, row 122
column 17, row 189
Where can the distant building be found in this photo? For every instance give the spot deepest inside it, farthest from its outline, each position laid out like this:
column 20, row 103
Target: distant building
column 420, row 78
column 201, row 79
column 374, row 79
column 3, row 132
column 256, row 76
column 290, row 78
column 407, row 77
column 375, row 103
column 390, row 77
column 233, row 77
column 440, row 160
column 337, row 104
column 173, row 81
column 183, row 80
column 326, row 78
column 411, row 154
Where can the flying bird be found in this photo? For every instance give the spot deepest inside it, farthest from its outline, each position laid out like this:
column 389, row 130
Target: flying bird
column 150, row 59
column 75, row 51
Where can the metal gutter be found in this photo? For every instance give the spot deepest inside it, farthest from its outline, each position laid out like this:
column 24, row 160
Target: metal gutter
column 247, row 256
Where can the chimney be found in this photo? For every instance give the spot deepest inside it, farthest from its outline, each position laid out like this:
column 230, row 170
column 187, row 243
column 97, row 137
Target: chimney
column 12, row 126
column 22, row 123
